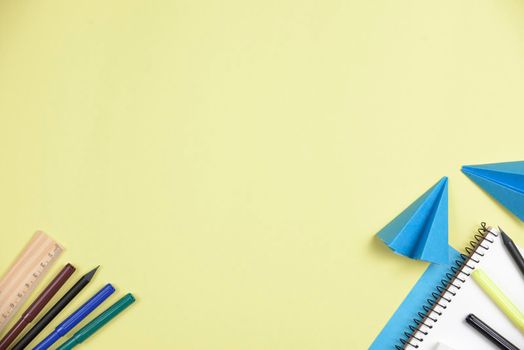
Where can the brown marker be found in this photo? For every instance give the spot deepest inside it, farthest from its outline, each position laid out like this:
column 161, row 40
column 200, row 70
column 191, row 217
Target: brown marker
column 40, row 302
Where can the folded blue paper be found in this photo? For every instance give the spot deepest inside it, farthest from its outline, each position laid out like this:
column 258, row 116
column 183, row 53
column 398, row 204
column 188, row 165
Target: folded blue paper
column 503, row 181
column 412, row 304
column 421, row 231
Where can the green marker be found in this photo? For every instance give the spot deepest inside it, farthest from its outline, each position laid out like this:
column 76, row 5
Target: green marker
column 499, row 298
column 93, row 326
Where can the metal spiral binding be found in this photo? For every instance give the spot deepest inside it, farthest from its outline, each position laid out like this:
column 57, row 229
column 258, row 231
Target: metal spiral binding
column 446, row 290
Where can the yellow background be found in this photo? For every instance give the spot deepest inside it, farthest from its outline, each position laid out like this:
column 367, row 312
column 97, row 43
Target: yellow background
column 229, row 162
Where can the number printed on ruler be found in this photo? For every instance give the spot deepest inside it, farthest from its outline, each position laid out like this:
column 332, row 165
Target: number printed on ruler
column 27, row 285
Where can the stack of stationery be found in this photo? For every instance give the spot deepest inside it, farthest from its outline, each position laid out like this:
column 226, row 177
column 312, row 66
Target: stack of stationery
column 475, row 302
column 21, row 279
column 470, row 300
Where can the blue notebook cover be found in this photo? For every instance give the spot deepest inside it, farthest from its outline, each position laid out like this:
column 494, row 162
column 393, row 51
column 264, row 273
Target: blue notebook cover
column 412, row 304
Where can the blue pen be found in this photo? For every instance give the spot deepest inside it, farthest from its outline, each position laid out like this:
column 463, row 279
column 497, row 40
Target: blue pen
column 75, row 318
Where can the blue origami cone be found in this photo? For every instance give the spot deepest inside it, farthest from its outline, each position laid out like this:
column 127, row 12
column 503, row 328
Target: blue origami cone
column 503, row 181
column 421, row 231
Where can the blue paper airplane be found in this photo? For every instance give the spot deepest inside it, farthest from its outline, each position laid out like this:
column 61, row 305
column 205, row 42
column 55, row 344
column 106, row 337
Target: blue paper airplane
column 421, row 230
column 503, row 181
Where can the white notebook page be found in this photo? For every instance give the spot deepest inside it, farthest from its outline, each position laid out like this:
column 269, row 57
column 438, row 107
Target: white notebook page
column 451, row 327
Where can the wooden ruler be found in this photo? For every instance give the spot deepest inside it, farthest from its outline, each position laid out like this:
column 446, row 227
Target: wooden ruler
column 25, row 274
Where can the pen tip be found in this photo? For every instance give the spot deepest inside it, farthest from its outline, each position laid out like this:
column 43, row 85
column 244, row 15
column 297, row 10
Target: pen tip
column 505, row 237
column 91, row 273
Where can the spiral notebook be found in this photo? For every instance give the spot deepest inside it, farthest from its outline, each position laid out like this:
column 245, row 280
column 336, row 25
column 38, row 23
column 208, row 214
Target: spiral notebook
column 435, row 310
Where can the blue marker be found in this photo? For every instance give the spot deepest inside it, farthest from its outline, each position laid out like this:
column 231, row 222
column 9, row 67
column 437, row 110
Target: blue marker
column 75, row 318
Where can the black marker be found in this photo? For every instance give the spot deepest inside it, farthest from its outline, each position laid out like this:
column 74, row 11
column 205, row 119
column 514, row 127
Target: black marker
column 513, row 250
column 490, row 333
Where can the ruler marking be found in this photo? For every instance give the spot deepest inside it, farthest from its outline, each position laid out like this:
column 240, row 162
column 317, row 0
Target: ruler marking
column 32, row 278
